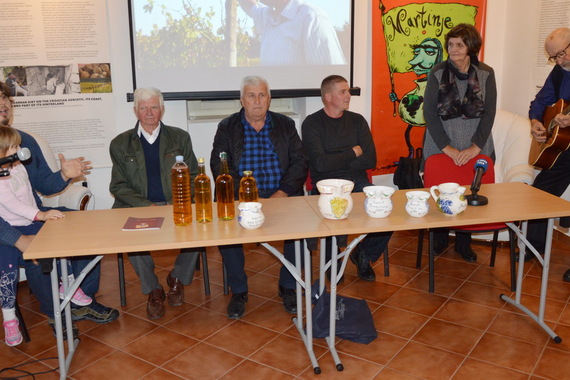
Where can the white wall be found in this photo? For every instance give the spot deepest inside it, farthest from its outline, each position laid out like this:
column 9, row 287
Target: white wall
column 510, row 44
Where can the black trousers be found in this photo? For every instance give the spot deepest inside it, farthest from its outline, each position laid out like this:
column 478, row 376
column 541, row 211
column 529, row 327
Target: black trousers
column 554, row 181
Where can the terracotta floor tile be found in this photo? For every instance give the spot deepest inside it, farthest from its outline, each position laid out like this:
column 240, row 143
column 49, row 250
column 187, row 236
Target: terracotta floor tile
column 391, row 374
column 354, row 368
column 159, row 346
column 507, row 352
column 202, row 361
column 271, row 315
column 118, row 362
column 192, row 323
column 245, row 370
column 399, row 275
column 122, row 331
column 160, row 374
column 406, row 259
column 452, row 268
column 374, row 291
column 416, row 301
column 443, row 285
column 492, row 277
column 426, row 362
column 480, row 294
column 84, row 357
column 557, row 290
column 241, row 338
column 468, row 314
column 519, row 327
column 448, row 336
column 553, row 364
column 286, row 354
column 564, row 332
column 398, row 322
column 553, row 308
column 475, row 369
column 380, row 351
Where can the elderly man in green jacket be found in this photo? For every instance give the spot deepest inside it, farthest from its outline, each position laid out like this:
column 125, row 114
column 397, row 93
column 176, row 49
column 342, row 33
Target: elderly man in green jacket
column 142, row 159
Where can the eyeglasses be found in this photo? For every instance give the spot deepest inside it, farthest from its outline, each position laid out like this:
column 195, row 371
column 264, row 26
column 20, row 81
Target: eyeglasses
column 561, row 54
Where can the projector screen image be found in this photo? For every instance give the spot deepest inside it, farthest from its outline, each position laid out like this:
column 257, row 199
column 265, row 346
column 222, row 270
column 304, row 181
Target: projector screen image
column 185, row 46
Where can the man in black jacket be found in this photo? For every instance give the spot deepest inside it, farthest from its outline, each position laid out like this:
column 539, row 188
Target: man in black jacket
column 268, row 144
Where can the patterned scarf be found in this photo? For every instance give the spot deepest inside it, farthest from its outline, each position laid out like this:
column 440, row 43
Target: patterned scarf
column 449, row 105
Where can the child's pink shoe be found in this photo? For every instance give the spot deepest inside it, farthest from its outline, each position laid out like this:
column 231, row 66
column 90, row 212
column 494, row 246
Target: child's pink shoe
column 12, row 333
column 79, row 298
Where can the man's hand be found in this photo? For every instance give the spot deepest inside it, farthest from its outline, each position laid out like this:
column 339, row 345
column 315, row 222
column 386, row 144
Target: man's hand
column 279, row 194
column 357, row 150
column 537, row 131
column 74, row 168
column 562, row 120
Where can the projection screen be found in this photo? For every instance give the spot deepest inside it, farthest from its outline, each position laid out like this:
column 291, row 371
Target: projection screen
column 201, row 49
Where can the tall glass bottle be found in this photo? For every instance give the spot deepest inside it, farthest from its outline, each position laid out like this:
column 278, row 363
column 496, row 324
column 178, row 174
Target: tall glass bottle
column 248, row 188
column 181, row 195
column 203, row 194
column 225, row 190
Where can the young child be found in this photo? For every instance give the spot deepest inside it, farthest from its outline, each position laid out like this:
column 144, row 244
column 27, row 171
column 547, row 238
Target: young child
column 18, row 207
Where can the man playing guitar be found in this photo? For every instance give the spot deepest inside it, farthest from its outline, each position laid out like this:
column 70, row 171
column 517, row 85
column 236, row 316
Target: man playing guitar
column 556, row 179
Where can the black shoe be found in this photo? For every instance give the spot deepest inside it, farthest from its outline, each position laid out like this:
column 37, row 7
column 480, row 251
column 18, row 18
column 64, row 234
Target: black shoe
column 51, row 323
column 467, row 253
column 289, row 299
column 236, row 306
column 95, row 312
column 566, row 277
column 363, row 267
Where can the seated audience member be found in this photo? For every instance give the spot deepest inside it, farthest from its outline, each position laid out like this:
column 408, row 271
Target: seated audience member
column 268, row 144
column 13, row 242
column 142, row 160
column 339, row 145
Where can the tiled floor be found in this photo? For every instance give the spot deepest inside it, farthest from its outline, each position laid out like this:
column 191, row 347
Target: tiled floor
column 463, row 331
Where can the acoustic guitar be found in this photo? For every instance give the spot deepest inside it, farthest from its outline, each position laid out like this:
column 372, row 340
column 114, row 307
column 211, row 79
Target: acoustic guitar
column 544, row 155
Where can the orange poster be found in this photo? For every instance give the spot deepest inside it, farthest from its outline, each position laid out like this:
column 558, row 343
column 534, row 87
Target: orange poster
column 408, row 39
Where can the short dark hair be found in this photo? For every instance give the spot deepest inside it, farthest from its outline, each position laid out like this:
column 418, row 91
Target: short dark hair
column 329, row 82
column 4, row 89
column 470, row 36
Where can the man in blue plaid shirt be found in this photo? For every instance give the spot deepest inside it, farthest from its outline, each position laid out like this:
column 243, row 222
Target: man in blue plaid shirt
column 268, row 144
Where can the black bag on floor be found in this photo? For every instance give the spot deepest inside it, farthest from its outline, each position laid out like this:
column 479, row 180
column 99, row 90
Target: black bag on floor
column 353, row 319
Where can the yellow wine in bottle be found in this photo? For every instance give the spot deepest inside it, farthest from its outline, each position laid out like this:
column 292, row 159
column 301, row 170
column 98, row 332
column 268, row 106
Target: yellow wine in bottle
column 203, row 194
column 225, row 190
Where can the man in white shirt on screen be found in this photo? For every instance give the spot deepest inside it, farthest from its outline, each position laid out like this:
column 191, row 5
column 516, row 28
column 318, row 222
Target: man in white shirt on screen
column 294, row 32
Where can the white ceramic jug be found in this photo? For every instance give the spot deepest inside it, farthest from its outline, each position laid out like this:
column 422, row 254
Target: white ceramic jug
column 417, row 203
column 250, row 215
column 335, row 201
column 450, row 200
column 378, row 203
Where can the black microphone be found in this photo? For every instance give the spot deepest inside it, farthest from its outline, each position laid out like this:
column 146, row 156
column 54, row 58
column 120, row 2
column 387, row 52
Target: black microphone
column 21, row 155
column 474, row 199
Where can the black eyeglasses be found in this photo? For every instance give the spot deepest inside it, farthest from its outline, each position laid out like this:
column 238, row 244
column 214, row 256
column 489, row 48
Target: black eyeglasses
column 561, row 54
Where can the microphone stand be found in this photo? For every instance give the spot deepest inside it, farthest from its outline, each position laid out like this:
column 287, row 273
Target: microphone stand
column 475, row 199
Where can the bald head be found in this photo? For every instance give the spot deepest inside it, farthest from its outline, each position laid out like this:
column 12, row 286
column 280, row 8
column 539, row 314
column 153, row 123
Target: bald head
column 557, row 41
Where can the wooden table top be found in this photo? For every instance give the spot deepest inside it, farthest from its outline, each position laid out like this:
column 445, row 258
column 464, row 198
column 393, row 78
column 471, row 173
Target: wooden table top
column 507, row 202
column 100, row 231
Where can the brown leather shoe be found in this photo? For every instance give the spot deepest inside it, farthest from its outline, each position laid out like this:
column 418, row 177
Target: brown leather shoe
column 155, row 305
column 175, row 291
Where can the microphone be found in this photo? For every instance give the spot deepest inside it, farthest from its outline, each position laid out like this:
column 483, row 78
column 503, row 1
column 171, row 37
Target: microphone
column 21, row 155
column 474, row 199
